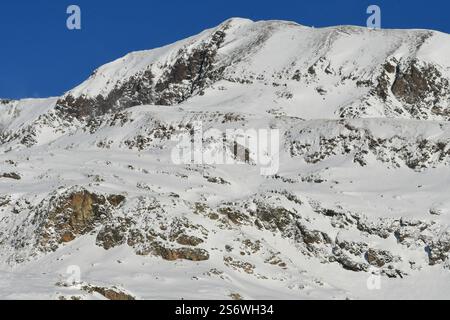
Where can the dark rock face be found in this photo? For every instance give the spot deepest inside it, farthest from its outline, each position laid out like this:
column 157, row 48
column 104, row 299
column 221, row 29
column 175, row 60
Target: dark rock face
column 347, row 262
column 11, row 175
column 186, row 240
column 72, row 215
column 234, row 215
column 383, row 86
column 116, row 200
column 379, row 258
column 197, row 69
column 143, row 230
column 136, row 91
column 188, row 76
column 111, row 236
column 113, row 294
column 415, row 83
column 418, row 86
column 311, row 237
column 274, row 218
column 172, row 254
column 439, row 250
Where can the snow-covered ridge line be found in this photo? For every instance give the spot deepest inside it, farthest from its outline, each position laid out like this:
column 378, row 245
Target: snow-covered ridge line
column 345, row 64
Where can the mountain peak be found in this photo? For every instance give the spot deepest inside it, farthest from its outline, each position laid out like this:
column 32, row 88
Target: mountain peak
column 236, row 21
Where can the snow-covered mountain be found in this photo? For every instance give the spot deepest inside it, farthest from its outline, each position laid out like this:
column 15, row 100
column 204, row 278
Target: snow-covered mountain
column 93, row 205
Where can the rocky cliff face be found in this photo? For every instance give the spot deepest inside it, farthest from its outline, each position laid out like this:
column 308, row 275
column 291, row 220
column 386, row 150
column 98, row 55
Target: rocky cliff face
column 88, row 179
column 190, row 72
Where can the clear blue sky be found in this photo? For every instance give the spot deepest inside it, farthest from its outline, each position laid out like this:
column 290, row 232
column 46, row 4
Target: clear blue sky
column 39, row 57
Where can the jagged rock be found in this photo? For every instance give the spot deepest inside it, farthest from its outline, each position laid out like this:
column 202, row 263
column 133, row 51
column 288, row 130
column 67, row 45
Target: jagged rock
column 116, row 200
column 109, row 293
column 251, row 247
column 234, row 215
column 346, row 262
column 71, row 215
column 188, row 75
column 11, row 175
column 171, row 254
column 4, row 200
column 439, row 250
column 239, row 265
column 274, row 218
column 217, row 180
column 409, row 232
column 313, row 237
column 418, row 83
column 112, row 236
column 186, row 240
column 379, row 258
column 382, row 88
column 354, row 248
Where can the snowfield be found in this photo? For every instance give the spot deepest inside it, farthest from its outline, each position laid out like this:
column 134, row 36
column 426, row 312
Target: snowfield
column 92, row 205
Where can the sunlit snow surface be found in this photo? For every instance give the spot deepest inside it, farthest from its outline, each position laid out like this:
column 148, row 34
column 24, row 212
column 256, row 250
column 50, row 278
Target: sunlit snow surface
column 66, row 155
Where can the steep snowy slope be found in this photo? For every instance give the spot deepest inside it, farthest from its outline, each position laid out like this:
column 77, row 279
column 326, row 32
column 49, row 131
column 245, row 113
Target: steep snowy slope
column 310, row 73
column 94, row 205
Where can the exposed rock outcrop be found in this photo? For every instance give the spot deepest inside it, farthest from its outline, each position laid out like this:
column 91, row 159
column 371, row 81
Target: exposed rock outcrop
column 72, row 214
column 190, row 73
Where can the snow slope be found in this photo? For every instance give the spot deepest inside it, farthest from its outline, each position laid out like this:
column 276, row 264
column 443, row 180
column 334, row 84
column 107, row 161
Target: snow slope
column 91, row 199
